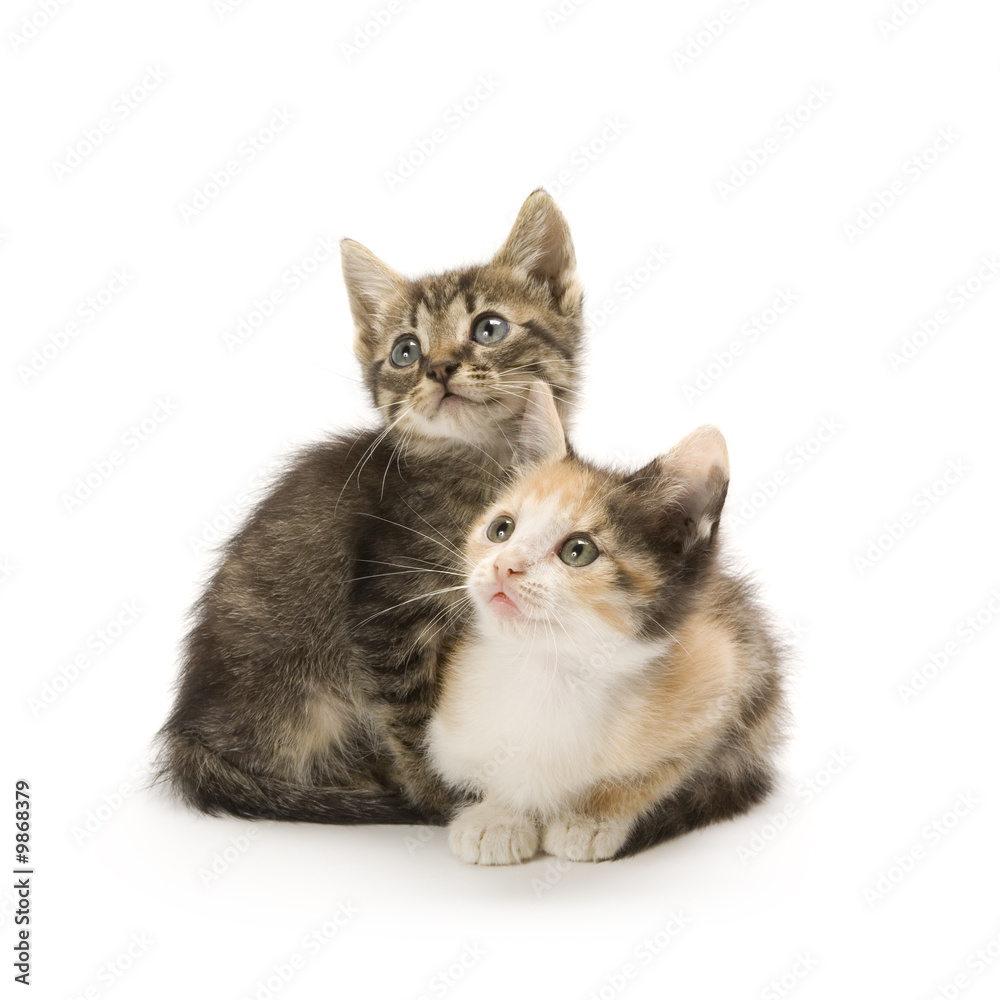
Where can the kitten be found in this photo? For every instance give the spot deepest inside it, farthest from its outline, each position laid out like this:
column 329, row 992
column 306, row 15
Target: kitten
column 311, row 667
column 618, row 686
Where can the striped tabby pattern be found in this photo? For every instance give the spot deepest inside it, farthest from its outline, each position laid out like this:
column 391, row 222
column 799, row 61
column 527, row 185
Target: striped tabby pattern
column 311, row 667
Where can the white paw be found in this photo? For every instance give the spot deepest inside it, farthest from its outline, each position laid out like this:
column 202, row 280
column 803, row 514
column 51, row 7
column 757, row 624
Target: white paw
column 580, row 838
column 484, row 834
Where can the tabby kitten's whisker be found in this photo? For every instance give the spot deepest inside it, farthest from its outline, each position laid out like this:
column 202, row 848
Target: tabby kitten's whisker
column 516, row 368
column 368, row 452
column 528, row 385
column 331, row 371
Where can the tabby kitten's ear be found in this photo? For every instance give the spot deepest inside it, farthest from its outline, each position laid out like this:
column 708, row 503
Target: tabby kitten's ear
column 541, row 437
column 369, row 283
column 541, row 247
column 694, row 475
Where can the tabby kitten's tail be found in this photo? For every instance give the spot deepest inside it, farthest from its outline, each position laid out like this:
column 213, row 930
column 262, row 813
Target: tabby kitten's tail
column 209, row 783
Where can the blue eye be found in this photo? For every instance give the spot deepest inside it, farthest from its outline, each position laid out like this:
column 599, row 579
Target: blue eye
column 501, row 528
column 490, row 330
column 578, row 550
column 405, row 351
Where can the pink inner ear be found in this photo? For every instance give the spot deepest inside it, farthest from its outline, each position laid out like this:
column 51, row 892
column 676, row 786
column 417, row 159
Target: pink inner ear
column 368, row 279
column 540, row 241
column 698, row 468
column 693, row 458
column 541, row 437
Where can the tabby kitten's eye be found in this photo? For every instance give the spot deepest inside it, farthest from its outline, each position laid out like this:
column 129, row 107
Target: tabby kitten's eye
column 490, row 330
column 501, row 529
column 405, row 351
column 578, row 550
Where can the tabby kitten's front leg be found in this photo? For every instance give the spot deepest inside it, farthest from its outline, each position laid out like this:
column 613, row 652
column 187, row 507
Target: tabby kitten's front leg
column 488, row 833
column 423, row 786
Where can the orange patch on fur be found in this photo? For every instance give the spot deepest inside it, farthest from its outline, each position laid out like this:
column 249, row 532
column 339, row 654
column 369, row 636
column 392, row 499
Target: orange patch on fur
column 679, row 714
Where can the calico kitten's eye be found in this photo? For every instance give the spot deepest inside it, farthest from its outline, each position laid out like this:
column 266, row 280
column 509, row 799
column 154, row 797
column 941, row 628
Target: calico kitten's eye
column 501, row 529
column 405, row 351
column 578, row 550
column 490, row 330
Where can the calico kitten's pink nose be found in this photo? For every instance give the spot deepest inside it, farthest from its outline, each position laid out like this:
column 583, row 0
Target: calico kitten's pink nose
column 441, row 371
column 507, row 567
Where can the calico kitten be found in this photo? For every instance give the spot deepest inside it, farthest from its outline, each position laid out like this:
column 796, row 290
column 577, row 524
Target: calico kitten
column 311, row 667
column 618, row 687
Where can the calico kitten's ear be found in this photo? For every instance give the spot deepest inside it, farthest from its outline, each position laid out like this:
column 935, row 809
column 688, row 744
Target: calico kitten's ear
column 541, row 437
column 540, row 245
column 369, row 282
column 696, row 474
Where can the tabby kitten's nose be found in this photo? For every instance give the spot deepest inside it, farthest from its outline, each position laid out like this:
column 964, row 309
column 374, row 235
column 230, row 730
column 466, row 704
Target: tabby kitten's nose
column 441, row 371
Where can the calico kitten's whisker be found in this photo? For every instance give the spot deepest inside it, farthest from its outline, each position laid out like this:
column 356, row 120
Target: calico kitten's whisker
column 670, row 635
column 447, row 547
column 450, row 613
column 419, row 597
column 602, row 639
column 454, row 548
column 427, row 564
column 375, row 576
column 573, row 642
column 525, row 662
column 554, row 655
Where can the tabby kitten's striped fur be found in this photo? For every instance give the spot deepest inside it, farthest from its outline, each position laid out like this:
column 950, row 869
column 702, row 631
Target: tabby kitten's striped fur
column 312, row 665
column 618, row 687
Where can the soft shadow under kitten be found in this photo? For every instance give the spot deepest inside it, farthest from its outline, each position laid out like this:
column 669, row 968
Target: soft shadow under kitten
column 618, row 687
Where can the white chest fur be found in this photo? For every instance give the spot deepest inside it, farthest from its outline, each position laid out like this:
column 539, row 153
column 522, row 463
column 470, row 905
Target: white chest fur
column 531, row 725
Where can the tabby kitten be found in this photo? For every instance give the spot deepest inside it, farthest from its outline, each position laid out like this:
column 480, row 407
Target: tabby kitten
column 311, row 668
column 618, row 687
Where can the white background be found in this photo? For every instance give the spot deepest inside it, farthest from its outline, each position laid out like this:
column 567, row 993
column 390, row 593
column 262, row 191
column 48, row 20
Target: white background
column 872, row 764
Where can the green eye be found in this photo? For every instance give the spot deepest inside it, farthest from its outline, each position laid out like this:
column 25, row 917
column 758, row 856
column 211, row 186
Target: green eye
column 501, row 529
column 578, row 550
column 490, row 330
column 405, row 352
